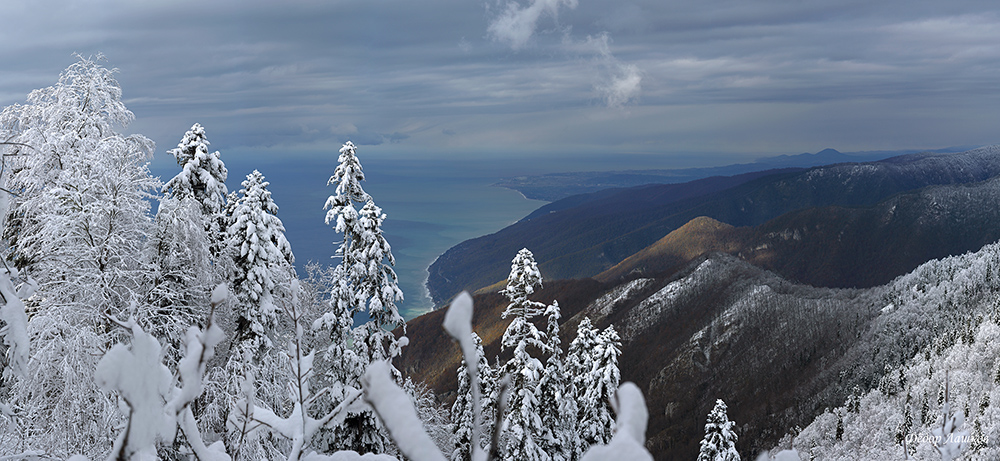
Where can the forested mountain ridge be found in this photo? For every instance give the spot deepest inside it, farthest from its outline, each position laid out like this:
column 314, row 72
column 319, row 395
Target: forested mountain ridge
column 594, row 235
column 836, row 246
column 778, row 352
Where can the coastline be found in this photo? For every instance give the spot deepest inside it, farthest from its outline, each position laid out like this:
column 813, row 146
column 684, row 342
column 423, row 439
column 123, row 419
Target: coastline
column 535, row 204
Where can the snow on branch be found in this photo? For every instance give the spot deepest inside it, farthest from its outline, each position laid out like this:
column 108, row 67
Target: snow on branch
column 156, row 407
column 298, row 426
column 630, row 429
column 15, row 328
column 458, row 324
column 396, row 411
column 143, row 382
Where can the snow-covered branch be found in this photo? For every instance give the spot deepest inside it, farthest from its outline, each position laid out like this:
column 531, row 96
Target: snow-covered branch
column 396, row 411
column 157, row 408
column 298, row 426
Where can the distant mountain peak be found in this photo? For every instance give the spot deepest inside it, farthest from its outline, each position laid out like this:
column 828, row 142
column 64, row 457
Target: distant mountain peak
column 828, row 151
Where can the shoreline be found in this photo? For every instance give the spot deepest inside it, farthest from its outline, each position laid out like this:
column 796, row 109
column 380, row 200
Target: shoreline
column 427, row 272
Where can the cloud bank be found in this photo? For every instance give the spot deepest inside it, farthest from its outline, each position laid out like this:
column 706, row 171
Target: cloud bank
column 443, row 78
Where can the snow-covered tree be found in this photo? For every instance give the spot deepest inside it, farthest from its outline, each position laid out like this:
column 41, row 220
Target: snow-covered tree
column 366, row 260
column 261, row 284
column 558, row 410
column 376, row 286
column 57, row 128
column 343, row 367
column 14, row 342
column 463, row 410
column 522, row 281
column 365, row 283
column 202, row 175
column 597, row 420
column 719, row 443
column 524, row 432
column 263, row 261
column 579, row 370
column 202, row 178
column 178, row 255
column 77, row 226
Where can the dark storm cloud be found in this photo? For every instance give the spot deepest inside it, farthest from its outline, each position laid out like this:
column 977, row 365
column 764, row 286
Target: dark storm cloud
column 586, row 76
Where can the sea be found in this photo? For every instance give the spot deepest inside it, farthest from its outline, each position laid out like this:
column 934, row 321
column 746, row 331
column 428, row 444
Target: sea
column 430, row 206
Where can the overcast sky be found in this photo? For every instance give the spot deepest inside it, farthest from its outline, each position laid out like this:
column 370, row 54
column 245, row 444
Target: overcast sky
column 553, row 77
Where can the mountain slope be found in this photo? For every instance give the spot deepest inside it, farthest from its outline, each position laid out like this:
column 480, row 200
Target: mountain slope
column 870, row 424
column 839, row 247
column 700, row 236
column 595, row 234
column 779, row 353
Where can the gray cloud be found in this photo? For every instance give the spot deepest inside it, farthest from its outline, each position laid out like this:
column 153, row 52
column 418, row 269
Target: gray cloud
column 516, row 23
column 433, row 77
column 622, row 82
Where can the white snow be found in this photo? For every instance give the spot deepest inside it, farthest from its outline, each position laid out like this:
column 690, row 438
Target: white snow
column 396, row 411
column 629, row 440
column 15, row 330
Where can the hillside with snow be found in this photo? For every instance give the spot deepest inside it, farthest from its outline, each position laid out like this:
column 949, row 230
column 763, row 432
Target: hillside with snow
column 778, row 353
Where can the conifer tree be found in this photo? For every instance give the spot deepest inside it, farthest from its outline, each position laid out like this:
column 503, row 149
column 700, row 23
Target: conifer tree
column 263, row 261
column 579, row 367
column 365, row 284
column 261, row 282
column 366, row 261
column 719, row 443
column 597, row 421
column 202, row 178
column 524, row 432
column 558, row 410
column 462, row 412
column 203, row 174
column 185, row 249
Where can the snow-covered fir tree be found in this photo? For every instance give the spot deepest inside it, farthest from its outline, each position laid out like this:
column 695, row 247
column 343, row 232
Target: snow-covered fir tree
column 76, row 226
column 523, row 432
column 376, row 287
column 185, row 250
column 558, row 409
column 203, row 174
column 202, row 178
column 263, row 261
column 579, row 371
column 462, row 411
column 597, row 421
column 719, row 443
column 263, row 273
column 342, row 367
column 365, row 285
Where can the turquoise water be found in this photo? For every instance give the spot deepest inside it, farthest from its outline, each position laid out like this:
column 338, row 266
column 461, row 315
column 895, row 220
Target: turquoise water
column 430, row 207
